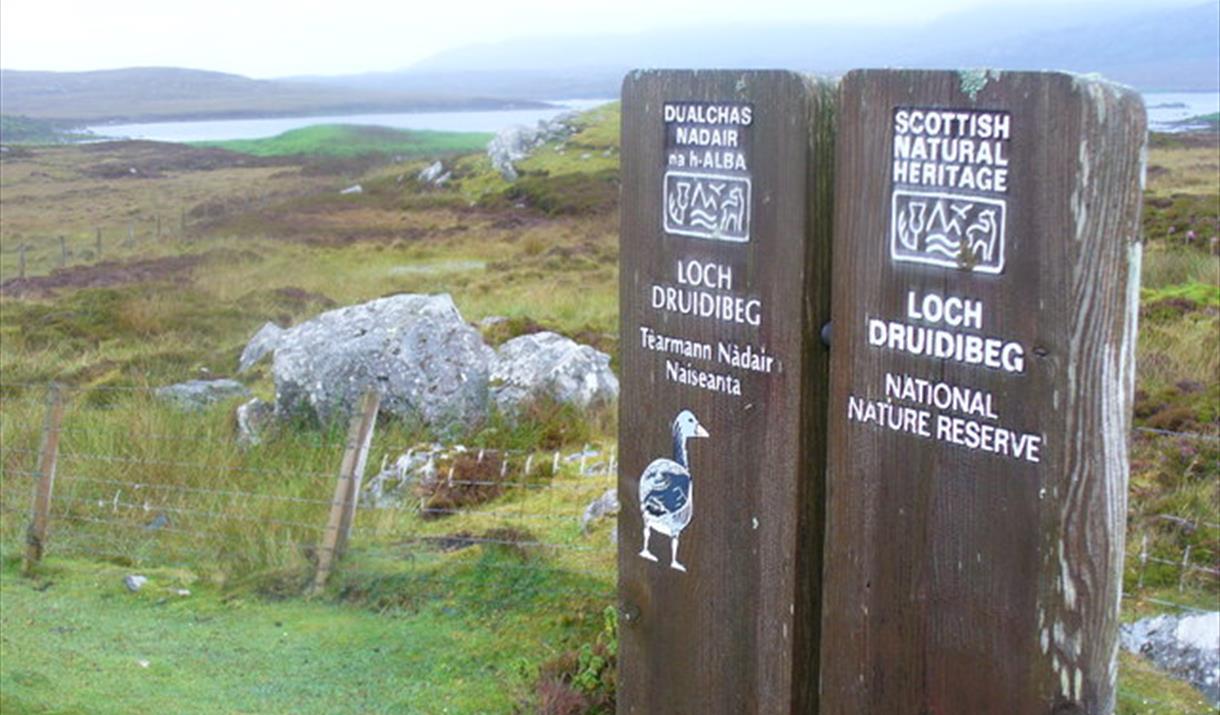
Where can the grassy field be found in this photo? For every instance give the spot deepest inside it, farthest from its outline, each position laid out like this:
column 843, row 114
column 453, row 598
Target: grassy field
column 76, row 641
column 347, row 140
column 202, row 245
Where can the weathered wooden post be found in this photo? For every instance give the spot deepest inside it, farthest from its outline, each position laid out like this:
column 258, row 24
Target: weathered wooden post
column 347, row 487
column 986, row 260
column 21, row 261
column 97, row 242
column 726, row 183
column 48, row 457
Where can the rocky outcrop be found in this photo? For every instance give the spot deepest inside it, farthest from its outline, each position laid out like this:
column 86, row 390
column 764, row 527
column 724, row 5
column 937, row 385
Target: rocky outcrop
column 199, row 394
column 428, row 364
column 1186, row 646
column 263, row 342
column 548, row 365
column 515, row 143
column 434, row 175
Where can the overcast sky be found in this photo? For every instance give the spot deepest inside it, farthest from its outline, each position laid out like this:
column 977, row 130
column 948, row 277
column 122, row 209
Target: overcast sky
column 263, row 38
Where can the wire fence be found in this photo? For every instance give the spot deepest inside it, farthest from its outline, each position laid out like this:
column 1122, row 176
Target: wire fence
column 141, row 483
column 146, row 484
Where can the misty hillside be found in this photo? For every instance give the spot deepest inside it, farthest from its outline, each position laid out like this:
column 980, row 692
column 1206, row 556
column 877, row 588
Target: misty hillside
column 1176, row 48
column 159, row 93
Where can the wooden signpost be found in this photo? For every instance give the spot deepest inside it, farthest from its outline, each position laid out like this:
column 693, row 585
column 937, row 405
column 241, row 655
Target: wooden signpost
column 986, row 265
column 725, row 238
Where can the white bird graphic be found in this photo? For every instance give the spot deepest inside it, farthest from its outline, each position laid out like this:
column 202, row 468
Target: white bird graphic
column 665, row 490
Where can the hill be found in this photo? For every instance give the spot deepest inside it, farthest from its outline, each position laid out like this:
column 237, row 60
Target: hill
column 1165, row 49
column 162, row 93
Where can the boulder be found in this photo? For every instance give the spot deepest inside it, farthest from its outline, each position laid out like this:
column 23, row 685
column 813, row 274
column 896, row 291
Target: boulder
column 549, row 365
column 252, row 419
column 198, row 394
column 1187, row 646
column 263, row 342
column 434, row 175
column 605, row 505
column 427, row 363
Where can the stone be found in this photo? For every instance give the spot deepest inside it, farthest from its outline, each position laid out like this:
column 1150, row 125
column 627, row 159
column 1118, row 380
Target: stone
column 392, row 486
column 604, row 505
column 353, row 189
column 549, row 365
column 134, row 582
column 515, row 143
column 198, row 394
column 434, row 174
column 1186, row 646
column 253, row 417
column 428, row 364
column 263, row 343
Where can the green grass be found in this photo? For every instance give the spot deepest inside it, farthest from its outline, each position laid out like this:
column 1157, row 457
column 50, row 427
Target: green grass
column 345, row 140
column 76, row 641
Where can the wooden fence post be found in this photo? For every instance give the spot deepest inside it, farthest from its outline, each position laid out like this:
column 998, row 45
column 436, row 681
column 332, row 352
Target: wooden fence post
column 724, row 286
column 21, row 261
column 347, row 487
column 986, row 260
column 97, row 243
column 63, row 252
column 48, row 455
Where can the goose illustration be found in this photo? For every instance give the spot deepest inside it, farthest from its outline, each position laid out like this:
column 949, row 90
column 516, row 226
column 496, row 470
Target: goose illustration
column 665, row 490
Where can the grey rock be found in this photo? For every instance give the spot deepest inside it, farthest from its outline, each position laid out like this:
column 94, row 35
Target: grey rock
column 134, row 582
column 253, row 417
column 427, row 363
column 515, row 143
column 549, row 365
column 1187, row 647
column 263, row 343
column 353, row 189
column 492, row 320
column 198, row 394
column 434, row 174
column 605, row 505
column 392, row 487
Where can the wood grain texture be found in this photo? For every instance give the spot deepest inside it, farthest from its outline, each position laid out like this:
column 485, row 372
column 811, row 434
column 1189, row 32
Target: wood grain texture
column 48, row 459
column 959, row 581
column 737, row 633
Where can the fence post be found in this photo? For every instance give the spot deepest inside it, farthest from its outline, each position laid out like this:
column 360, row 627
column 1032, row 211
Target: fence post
column 48, row 455
column 97, row 242
column 347, row 487
column 974, row 550
column 63, row 252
